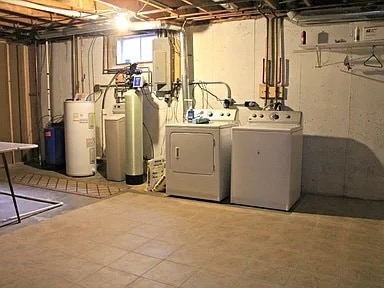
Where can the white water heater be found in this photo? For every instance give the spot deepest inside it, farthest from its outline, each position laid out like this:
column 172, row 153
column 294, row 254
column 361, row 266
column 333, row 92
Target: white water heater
column 80, row 138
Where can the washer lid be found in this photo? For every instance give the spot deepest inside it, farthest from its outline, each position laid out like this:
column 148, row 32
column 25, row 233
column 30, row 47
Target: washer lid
column 285, row 128
column 209, row 125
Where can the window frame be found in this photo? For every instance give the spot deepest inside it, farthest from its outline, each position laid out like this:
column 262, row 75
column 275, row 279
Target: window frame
column 130, row 37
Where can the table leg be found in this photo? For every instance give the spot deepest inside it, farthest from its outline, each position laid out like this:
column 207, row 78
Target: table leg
column 10, row 186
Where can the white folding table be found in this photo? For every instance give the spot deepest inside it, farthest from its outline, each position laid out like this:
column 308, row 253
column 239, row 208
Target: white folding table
column 11, row 147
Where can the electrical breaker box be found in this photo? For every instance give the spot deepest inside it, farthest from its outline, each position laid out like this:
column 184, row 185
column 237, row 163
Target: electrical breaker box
column 163, row 64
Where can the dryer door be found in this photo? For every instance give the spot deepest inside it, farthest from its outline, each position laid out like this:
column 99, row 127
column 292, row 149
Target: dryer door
column 192, row 153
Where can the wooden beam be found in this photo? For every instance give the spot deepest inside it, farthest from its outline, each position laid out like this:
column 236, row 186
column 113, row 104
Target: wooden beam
column 22, row 21
column 25, row 11
column 160, row 6
column 198, row 7
column 76, row 5
column 52, row 3
column 132, row 5
column 274, row 4
column 24, row 81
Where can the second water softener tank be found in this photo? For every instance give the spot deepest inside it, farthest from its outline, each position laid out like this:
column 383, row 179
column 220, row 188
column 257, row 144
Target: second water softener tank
column 80, row 138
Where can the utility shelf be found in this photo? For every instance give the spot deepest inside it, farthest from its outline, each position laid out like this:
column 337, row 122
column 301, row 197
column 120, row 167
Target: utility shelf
column 343, row 45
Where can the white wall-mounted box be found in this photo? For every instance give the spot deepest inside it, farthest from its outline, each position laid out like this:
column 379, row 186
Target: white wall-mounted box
column 373, row 33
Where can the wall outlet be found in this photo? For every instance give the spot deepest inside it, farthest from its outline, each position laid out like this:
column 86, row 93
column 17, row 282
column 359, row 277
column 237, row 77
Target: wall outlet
column 262, row 90
column 96, row 88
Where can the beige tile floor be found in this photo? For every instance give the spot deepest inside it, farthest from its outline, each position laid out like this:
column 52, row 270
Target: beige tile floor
column 138, row 241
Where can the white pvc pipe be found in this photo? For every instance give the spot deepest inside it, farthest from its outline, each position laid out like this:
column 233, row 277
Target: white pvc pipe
column 187, row 101
column 48, row 79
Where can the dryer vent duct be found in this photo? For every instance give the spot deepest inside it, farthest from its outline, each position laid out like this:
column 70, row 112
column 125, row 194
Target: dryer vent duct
column 336, row 15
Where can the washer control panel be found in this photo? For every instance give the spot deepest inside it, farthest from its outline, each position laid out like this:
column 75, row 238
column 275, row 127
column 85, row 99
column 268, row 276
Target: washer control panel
column 283, row 117
column 216, row 114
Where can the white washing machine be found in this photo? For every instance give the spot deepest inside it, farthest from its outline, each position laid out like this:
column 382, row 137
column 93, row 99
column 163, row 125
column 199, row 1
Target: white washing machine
column 267, row 160
column 199, row 156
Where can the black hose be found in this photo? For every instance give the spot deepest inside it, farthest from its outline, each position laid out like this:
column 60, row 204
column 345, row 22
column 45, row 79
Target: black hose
column 106, row 89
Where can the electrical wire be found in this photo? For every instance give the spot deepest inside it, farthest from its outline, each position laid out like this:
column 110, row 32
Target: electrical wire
column 209, row 92
column 141, row 9
column 172, row 40
column 175, row 106
column 108, row 86
column 51, row 121
column 151, row 140
column 90, row 65
column 43, row 62
column 268, row 105
column 146, row 94
column 57, row 117
column 163, row 143
column 102, row 108
column 41, row 119
column 149, row 101
column 98, row 98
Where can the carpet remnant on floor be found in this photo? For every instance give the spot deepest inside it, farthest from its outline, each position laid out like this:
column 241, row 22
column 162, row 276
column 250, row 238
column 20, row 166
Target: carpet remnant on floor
column 74, row 186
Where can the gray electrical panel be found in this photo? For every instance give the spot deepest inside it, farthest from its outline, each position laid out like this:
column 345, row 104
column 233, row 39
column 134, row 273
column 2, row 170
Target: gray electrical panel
column 163, row 63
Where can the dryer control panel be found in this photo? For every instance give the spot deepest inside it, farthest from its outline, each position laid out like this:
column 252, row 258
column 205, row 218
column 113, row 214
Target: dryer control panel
column 216, row 114
column 282, row 117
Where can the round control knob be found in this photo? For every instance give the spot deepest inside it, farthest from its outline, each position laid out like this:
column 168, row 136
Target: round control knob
column 261, row 116
column 275, row 116
column 221, row 114
column 288, row 116
column 228, row 114
column 254, row 115
column 210, row 114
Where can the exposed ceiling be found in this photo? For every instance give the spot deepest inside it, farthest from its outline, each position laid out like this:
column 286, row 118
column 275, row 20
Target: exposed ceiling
column 22, row 20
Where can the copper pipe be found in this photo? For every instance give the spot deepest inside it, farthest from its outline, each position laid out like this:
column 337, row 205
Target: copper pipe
column 275, row 55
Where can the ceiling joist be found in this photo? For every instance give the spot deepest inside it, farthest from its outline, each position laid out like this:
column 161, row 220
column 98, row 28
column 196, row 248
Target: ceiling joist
column 26, row 17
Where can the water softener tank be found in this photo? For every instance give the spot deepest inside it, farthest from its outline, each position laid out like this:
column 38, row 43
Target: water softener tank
column 134, row 137
column 80, row 138
column 54, row 145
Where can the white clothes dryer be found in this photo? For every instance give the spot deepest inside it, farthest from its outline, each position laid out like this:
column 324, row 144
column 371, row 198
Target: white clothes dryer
column 199, row 156
column 267, row 160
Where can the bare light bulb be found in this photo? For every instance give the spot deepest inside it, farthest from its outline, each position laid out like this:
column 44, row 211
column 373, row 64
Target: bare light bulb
column 122, row 22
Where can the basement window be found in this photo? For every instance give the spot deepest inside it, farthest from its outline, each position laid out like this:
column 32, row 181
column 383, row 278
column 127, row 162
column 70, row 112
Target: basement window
column 134, row 49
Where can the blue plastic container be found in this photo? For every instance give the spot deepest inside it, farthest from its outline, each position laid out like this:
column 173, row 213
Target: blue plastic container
column 54, row 145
